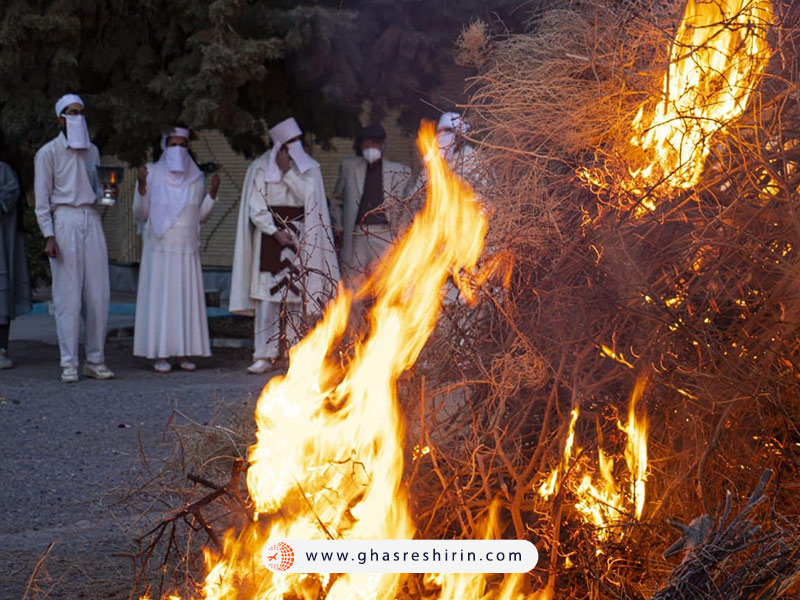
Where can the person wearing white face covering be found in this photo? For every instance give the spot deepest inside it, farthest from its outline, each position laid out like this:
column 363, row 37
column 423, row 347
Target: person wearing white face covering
column 284, row 264
column 170, row 301
column 453, row 146
column 67, row 188
column 365, row 210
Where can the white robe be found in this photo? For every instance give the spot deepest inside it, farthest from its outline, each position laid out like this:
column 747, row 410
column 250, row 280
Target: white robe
column 316, row 260
column 170, row 301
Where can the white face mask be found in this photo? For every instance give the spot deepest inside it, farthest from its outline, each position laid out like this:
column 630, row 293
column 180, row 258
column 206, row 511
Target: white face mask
column 77, row 132
column 446, row 141
column 371, row 155
column 177, row 158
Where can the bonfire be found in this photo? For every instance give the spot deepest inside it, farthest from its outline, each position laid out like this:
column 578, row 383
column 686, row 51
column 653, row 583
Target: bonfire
column 618, row 382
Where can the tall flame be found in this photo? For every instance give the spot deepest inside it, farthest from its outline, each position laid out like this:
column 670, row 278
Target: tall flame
column 717, row 56
column 636, row 448
column 328, row 461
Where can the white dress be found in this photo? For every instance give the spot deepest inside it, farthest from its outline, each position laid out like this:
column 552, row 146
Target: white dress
column 170, row 301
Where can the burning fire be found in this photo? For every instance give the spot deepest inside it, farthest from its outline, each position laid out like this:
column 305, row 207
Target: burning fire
column 328, row 461
column 717, row 56
column 601, row 503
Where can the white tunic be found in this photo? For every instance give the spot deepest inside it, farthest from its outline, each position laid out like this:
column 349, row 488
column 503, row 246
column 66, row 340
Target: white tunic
column 170, row 301
column 64, row 176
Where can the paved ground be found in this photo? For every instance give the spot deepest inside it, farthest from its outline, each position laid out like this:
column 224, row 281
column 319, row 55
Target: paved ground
column 65, row 447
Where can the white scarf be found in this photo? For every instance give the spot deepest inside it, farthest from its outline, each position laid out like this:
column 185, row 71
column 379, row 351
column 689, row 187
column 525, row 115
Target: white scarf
column 77, row 132
column 280, row 134
column 169, row 183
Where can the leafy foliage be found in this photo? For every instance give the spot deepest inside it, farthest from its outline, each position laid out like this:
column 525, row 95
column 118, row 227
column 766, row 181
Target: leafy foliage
column 234, row 65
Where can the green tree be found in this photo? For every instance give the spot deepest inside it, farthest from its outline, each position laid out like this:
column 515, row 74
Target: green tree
column 234, row 65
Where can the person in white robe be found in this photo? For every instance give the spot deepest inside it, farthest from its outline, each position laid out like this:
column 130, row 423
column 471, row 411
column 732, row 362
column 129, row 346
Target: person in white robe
column 67, row 189
column 451, row 130
column 454, row 148
column 15, row 285
column 170, row 300
column 366, row 208
column 284, row 266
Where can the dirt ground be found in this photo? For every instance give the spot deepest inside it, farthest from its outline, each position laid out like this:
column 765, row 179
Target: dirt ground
column 68, row 450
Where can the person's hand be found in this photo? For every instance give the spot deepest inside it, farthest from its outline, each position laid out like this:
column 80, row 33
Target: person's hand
column 283, row 159
column 286, row 239
column 213, row 187
column 141, row 176
column 51, row 247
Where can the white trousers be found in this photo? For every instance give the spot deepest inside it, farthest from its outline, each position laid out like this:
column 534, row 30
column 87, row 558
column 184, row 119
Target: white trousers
column 268, row 328
column 80, row 280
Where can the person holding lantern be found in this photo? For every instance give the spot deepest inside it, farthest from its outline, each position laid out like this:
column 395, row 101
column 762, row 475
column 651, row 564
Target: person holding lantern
column 67, row 189
column 170, row 302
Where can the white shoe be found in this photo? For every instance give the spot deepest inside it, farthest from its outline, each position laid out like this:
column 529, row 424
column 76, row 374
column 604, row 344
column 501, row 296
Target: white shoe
column 188, row 365
column 69, row 375
column 97, row 371
column 260, row 366
column 5, row 362
column 162, row 366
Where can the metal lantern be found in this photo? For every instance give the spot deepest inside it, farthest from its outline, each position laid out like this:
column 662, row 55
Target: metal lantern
column 109, row 176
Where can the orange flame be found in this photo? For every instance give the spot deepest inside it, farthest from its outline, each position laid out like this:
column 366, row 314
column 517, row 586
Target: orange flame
column 328, row 461
column 717, row 56
column 636, row 448
column 601, row 503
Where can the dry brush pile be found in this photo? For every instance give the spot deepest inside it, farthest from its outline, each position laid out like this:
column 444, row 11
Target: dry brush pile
column 695, row 305
column 697, row 300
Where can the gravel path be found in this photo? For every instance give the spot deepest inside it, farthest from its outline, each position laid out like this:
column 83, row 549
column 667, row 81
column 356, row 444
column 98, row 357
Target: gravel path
column 65, row 448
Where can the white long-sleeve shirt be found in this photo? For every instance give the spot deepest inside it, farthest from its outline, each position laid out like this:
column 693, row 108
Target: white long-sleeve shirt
column 64, row 176
column 292, row 190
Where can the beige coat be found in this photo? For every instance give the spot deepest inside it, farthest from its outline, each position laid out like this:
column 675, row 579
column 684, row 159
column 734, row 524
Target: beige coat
column 347, row 197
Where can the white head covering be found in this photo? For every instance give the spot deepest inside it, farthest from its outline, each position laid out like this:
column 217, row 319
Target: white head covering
column 169, row 188
column 65, row 101
column 454, row 121
column 451, row 125
column 280, row 134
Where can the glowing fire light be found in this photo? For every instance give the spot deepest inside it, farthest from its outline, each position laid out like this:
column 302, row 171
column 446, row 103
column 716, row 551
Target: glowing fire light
column 617, row 356
column 600, row 502
column 328, row 461
column 636, row 448
column 718, row 53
